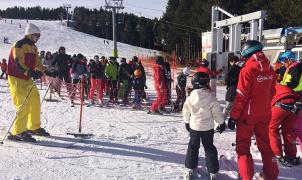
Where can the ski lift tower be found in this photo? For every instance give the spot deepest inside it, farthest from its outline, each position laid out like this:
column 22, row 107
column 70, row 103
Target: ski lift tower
column 114, row 5
column 219, row 58
column 67, row 6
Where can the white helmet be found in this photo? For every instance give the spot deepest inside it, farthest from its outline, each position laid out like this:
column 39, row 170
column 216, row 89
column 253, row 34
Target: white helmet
column 186, row 71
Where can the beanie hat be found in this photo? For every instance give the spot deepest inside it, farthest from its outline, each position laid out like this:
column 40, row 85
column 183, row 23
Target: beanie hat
column 32, row 29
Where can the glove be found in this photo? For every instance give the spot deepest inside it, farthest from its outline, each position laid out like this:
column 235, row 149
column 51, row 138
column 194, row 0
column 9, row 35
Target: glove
column 49, row 73
column 231, row 123
column 188, row 127
column 221, row 128
column 34, row 74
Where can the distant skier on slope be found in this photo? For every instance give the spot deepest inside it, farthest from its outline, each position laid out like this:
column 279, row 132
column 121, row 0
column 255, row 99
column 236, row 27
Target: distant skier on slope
column 251, row 111
column 200, row 110
column 24, row 63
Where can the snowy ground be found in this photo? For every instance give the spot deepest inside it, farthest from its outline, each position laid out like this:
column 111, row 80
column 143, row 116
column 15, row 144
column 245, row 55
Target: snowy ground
column 126, row 144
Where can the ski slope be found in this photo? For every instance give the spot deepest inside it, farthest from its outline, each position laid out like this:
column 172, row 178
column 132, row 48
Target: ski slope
column 127, row 144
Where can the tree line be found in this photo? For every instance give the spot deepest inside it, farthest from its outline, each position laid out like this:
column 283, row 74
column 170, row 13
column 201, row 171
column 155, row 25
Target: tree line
column 179, row 29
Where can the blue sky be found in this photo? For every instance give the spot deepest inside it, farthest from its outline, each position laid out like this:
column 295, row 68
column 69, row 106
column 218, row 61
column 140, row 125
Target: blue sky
column 147, row 8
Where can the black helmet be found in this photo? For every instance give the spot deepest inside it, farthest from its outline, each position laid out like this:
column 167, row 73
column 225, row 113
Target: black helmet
column 62, row 48
column 112, row 59
column 250, row 47
column 96, row 58
column 205, row 63
column 135, row 59
column 159, row 60
column 200, row 80
column 123, row 60
column 80, row 56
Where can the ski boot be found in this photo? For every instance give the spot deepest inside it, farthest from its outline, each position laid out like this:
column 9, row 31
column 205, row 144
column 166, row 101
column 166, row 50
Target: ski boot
column 38, row 132
column 213, row 176
column 25, row 137
column 90, row 103
column 163, row 111
column 154, row 112
column 293, row 161
column 189, row 175
column 283, row 161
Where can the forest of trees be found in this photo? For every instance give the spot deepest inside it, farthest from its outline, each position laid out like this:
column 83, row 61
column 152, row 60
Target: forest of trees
column 179, row 29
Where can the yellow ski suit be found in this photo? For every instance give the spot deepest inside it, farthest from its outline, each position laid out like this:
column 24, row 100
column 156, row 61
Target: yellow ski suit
column 24, row 56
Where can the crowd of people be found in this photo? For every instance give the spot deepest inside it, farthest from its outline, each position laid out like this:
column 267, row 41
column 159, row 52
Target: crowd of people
column 261, row 100
column 263, row 103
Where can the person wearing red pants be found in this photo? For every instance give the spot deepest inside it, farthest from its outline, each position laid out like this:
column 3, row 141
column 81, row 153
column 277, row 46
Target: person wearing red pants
column 252, row 111
column 285, row 111
column 95, row 70
column 160, row 86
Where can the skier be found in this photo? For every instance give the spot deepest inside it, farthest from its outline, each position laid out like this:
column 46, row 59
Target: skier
column 24, row 64
column 95, row 69
column 125, row 76
column 200, row 110
column 251, row 111
column 285, row 108
column 181, row 89
column 138, row 86
column 168, row 78
column 111, row 73
column 78, row 73
column 231, row 81
column 62, row 63
column 159, row 104
column 3, row 68
column 103, row 76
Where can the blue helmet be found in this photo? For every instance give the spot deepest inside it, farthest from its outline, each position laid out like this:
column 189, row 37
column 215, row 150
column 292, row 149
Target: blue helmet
column 287, row 55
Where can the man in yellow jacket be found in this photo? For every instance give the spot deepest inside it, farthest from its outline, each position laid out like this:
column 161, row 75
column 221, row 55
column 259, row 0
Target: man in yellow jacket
column 23, row 65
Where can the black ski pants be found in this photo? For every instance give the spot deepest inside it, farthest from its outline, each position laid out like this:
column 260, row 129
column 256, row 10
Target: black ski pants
column 206, row 138
column 113, row 89
column 181, row 98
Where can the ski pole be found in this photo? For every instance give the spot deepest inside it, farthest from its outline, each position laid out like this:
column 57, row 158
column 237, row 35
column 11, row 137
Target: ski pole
column 2, row 140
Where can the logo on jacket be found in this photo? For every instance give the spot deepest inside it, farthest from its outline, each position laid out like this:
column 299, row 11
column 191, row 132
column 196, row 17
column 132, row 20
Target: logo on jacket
column 261, row 78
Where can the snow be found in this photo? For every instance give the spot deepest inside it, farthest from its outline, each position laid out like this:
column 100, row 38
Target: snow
column 127, row 144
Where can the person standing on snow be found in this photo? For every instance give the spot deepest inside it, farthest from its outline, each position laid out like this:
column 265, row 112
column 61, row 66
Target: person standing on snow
column 78, row 73
column 23, row 64
column 3, row 66
column 125, row 76
column 159, row 104
column 138, row 83
column 181, row 89
column 231, row 81
column 62, row 63
column 168, row 78
column 200, row 110
column 251, row 111
column 111, row 73
column 95, row 69
column 285, row 108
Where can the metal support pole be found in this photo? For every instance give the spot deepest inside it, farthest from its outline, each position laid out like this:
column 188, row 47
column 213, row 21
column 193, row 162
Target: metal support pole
column 115, row 54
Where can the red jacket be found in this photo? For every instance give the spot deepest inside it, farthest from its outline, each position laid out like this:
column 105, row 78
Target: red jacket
column 255, row 89
column 285, row 95
column 159, row 77
column 3, row 66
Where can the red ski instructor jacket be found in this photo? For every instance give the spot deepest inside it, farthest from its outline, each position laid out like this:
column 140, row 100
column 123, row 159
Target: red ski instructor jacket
column 255, row 89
